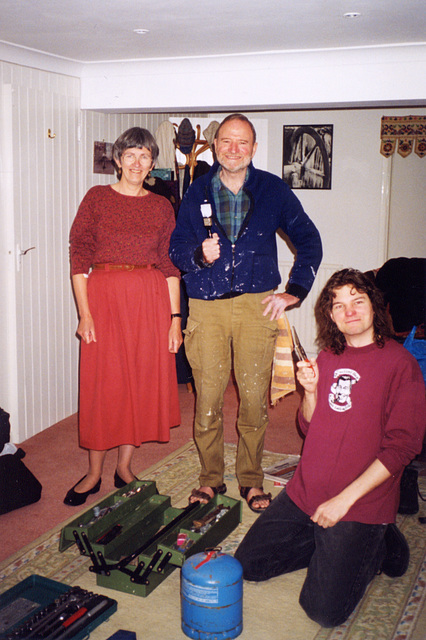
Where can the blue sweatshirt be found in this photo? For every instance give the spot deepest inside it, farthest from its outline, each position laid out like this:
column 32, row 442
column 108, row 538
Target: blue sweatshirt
column 250, row 265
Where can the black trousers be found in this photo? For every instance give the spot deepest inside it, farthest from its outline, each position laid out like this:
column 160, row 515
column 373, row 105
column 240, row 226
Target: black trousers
column 341, row 560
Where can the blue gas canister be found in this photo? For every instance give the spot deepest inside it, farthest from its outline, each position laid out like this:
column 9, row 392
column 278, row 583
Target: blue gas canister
column 212, row 596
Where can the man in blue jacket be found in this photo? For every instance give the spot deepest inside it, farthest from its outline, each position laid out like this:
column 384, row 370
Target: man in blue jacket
column 225, row 243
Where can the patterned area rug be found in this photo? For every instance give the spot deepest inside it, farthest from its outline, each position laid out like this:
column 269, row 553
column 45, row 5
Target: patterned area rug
column 390, row 610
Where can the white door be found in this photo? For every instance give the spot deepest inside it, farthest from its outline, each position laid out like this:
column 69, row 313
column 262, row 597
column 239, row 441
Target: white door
column 8, row 360
column 44, row 155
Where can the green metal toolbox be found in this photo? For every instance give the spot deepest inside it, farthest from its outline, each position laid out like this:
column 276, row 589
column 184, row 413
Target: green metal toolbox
column 135, row 538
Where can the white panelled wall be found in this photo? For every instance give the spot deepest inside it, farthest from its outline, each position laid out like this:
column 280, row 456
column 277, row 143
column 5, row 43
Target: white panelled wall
column 46, row 166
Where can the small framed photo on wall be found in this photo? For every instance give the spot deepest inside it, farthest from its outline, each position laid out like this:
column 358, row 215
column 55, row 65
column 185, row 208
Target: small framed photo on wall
column 307, row 155
column 102, row 158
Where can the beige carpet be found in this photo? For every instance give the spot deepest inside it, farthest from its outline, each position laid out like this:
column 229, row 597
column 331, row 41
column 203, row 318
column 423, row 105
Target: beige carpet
column 391, row 609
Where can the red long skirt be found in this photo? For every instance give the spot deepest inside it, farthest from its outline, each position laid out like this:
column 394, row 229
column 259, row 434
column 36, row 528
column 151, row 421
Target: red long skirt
column 128, row 385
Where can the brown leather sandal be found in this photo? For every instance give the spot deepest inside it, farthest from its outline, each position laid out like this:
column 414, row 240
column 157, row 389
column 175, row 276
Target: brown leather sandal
column 202, row 496
column 244, row 491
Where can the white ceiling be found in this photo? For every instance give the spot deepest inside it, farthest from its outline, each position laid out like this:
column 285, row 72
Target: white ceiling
column 103, row 30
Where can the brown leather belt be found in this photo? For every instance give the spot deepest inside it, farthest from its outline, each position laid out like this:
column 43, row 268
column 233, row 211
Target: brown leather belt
column 122, row 267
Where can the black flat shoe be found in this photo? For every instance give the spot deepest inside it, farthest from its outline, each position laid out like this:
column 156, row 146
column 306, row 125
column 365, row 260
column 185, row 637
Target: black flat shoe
column 119, row 483
column 74, row 499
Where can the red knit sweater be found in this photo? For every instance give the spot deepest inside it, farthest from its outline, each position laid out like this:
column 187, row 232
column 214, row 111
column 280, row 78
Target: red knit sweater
column 111, row 227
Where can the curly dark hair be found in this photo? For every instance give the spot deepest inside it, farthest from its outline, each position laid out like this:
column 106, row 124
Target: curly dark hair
column 329, row 336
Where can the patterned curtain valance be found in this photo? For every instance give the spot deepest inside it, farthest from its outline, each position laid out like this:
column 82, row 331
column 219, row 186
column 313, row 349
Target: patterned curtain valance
column 407, row 131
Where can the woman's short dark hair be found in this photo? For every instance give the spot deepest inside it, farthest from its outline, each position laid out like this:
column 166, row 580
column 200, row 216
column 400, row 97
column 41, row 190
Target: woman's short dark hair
column 136, row 138
column 236, row 116
column 329, row 336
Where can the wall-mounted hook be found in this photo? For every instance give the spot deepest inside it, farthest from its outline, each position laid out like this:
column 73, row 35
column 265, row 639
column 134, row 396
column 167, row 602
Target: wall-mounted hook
column 50, row 134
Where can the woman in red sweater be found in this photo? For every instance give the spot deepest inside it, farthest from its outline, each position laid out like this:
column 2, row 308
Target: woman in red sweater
column 127, row 294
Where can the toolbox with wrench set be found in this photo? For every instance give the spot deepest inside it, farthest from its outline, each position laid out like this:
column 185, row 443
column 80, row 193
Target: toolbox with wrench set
column 42, row 609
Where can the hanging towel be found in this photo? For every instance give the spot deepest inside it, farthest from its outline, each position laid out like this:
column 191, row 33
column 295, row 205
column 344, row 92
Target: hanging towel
column 283, row 381
column 165, row 138
column 210, row 133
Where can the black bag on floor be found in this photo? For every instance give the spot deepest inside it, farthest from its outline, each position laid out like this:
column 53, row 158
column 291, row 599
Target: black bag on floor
column 18, row 486
column 410, row 492
column 4, row 428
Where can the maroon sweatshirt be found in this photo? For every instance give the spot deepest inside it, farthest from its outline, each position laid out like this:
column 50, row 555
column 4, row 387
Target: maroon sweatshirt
column 371, row 404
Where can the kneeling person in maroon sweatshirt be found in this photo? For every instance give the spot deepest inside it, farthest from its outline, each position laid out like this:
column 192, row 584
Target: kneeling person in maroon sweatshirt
column 363, row 414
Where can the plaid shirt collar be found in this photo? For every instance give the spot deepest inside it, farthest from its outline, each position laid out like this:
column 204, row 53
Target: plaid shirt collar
column 231, row 208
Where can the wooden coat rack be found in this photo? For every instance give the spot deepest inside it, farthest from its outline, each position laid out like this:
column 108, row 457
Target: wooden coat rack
column 200, row 145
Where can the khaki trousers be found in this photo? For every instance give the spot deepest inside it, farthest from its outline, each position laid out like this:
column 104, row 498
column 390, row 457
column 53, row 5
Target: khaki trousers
column 219, row 334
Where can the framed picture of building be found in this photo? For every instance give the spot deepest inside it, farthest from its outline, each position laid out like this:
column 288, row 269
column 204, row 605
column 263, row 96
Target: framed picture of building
column 307, row 156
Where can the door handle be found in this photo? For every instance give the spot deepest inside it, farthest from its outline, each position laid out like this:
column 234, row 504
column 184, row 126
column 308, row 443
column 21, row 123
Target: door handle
column 19, row 254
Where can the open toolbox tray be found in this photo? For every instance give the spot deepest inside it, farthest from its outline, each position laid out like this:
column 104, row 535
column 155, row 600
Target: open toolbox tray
column 135, row 538
column 32, row 610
